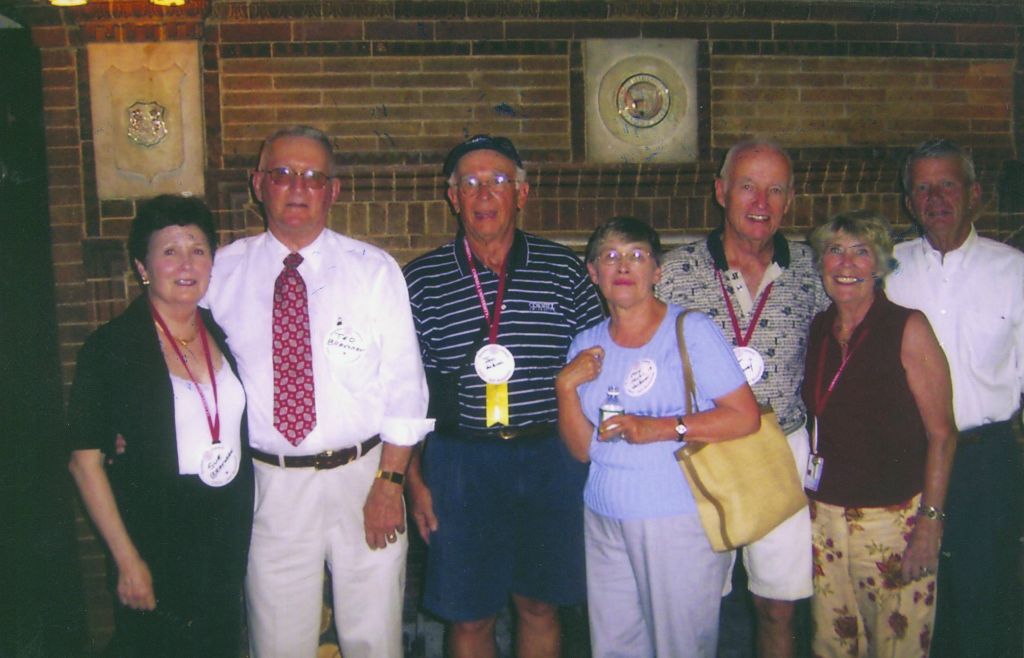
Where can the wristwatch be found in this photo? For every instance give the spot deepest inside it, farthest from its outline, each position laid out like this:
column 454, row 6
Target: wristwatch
column 391, row 476
column 680, row 429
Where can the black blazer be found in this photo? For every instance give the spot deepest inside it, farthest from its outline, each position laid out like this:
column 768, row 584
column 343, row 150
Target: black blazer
column 122, row 386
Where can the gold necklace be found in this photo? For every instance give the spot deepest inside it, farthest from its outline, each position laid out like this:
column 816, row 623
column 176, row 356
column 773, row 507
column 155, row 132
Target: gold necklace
column 180, row 341
column 187, row 355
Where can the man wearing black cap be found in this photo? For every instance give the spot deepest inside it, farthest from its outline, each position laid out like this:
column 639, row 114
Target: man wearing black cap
column 498, row 499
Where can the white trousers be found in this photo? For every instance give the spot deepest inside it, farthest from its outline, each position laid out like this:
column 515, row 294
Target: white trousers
column 653, row 587
column 303, row 519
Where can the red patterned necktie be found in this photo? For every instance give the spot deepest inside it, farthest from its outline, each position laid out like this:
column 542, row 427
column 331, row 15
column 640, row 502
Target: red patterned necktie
column 294, row 401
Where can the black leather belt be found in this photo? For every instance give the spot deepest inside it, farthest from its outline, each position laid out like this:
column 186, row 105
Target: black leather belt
column 535, row 431
column 325, row 460
column 977, row 434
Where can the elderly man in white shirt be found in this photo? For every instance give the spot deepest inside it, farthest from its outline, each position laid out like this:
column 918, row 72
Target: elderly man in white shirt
column 322, row 330
column 972, row 291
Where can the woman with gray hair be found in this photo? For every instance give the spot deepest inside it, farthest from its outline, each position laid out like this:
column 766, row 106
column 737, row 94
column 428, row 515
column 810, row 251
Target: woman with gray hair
column 877, row 385
column 653, row 581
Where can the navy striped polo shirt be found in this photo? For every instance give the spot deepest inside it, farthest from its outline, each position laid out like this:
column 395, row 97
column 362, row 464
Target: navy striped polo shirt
column 549, row 298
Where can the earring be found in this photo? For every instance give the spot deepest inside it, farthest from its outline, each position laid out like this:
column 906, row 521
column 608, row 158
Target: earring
column 145, row 280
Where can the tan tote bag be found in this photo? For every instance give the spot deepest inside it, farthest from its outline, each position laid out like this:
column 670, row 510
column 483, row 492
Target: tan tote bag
column 744, row 487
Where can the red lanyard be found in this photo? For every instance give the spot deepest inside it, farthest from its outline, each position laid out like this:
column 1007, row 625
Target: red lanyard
column 493, row 324
column 821, row 393
column 742, row 340
column 212, row 421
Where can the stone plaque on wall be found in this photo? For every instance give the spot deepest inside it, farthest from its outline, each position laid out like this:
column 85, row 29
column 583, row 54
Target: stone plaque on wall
column 641, row 100
column 147, row 118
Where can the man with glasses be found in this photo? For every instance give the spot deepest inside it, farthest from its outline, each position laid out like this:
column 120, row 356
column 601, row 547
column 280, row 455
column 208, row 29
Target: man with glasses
column 327, row 353
column 763, row 291
column 497, row 498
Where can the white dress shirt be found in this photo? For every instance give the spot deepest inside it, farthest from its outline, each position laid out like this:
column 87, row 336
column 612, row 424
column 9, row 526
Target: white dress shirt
column 367, row 371
column 974, row 299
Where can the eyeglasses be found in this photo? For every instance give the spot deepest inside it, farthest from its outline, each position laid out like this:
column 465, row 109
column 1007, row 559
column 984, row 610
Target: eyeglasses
column 314, row 180
column 471, row 185
column 615, row 257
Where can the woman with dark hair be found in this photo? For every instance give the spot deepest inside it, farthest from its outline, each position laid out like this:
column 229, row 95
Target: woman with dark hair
column 156, row 424
column 654, row 584
column 878, row 387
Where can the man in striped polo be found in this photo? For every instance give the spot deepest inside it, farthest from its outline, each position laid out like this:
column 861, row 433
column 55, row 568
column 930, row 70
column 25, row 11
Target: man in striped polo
column 494, row 493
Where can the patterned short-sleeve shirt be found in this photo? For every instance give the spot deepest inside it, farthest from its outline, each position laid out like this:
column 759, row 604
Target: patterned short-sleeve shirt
column 689, row 279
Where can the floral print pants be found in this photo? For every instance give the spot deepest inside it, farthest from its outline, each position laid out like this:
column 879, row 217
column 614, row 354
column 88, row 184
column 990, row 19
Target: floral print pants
column 861, row 606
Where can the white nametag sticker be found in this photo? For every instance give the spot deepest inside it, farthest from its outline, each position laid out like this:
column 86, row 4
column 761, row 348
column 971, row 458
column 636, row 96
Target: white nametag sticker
column 640, row 378
column 751, row 363
column 344, row 344
column 219, row 465
column 494, row 364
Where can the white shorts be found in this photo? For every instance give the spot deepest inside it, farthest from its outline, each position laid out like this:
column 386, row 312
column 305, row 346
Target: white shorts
column 779, row 564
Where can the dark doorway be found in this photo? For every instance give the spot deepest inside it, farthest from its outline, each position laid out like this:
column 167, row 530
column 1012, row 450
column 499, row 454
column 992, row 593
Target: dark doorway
column 40, row 591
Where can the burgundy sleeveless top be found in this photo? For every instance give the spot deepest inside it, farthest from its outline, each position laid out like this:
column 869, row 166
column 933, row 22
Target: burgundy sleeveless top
column 870, row 432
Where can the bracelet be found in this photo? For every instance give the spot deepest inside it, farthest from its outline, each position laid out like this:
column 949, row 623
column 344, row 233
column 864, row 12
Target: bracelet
column 931, row 512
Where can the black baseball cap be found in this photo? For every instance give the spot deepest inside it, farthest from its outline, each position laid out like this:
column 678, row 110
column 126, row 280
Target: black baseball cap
column 502, row 145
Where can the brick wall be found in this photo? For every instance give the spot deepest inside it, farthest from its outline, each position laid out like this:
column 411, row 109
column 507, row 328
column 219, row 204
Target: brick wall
column 857, row 101
column 847, row 85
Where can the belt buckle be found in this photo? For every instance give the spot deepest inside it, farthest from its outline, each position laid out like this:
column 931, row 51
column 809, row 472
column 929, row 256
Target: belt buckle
column 507, row 433
column 321, row 460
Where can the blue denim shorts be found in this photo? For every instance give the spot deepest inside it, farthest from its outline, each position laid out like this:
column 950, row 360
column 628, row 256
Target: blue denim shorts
column 510, row 521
